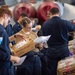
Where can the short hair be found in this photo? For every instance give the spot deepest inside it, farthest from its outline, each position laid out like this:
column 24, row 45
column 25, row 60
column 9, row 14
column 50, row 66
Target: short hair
column 54, row 10
column 23, row 15
column 25, row 21
column 5, row 11
column 5, row 6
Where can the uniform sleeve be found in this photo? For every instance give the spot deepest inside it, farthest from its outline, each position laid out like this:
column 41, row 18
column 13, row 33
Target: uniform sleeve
column 70, row 26
column 9, row 29
column 14, row 28
column 4, row 47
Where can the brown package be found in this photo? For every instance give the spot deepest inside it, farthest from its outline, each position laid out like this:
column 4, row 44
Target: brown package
column 23, row 46
column 71, row 46
column 66, row 66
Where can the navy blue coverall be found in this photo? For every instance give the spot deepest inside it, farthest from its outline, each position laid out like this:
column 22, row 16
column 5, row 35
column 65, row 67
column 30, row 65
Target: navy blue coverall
column 43, row 58
column 6, row 67
column 58, row 42
column 32, row 63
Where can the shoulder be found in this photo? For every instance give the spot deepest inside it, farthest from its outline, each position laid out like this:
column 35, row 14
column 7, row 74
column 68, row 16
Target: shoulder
column 46, row 22
column 2, row 30
column 66, row 22
column 10, row 25
column 15, row 26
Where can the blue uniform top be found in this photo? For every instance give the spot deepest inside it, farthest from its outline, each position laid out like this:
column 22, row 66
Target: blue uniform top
column 4, row 51
column 17, row 27
column 58, row 29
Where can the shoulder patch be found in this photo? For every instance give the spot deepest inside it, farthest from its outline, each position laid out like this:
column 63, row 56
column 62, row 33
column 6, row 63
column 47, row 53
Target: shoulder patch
column 1, row 39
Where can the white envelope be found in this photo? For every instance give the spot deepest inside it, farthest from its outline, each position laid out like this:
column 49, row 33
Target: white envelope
column 42, row 39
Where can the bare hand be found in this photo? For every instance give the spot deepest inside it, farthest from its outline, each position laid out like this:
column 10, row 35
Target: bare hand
column 39, row 45
column 38, row 27
column 15, row 59
column 20, row 35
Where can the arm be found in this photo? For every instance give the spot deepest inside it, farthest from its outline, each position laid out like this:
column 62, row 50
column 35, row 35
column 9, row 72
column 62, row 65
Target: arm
column 70, row 26
column 14, row 59
column 11, row 38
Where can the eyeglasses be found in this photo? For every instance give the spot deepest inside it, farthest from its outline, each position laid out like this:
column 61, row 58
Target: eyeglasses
column 28, row 27
column 9, row 18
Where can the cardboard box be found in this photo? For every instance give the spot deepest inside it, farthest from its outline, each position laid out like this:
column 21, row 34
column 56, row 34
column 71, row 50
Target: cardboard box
column 71, row 46
column 22, row 46
column 31, row 34
column 66, row 66
column 70, row 43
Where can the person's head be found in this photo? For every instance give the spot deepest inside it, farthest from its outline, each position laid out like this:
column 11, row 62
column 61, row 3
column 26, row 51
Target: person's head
column 5, row 16
column 26, row 24
column 22, row 15
column 54, row 12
